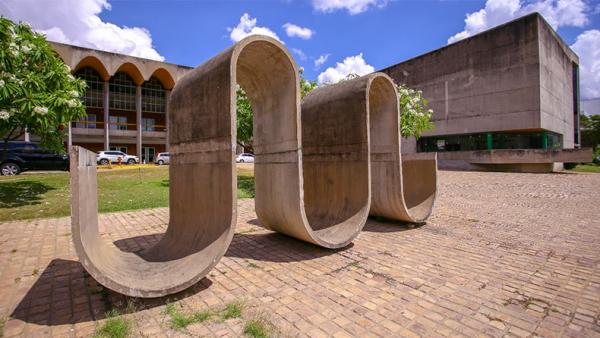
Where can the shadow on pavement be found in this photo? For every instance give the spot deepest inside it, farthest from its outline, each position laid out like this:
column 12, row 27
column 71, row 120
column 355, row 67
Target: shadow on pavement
column 66, row 294
column 270, row 247
column 275, row 247
column 382, row 225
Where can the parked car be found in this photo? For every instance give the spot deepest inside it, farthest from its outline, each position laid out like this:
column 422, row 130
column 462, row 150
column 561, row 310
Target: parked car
column 162, row 158
column 112, row 156
column 245, row 158
column 23, row 156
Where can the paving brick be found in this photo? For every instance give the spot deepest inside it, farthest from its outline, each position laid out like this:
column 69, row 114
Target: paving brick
column 511, row 255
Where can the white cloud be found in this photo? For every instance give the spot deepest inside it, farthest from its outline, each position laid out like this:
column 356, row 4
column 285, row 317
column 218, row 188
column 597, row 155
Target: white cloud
column 300, row 53
column 352, row 6
column 78, row 23
column 558, row 13
column 247, row 26
column 587, row 46
column 351, row 65
column 296, row 31
column 321, row 60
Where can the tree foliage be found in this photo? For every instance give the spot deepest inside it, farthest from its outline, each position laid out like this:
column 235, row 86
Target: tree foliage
column 415, row 116
column 244, row 119
column 590, row 133
column 306, row 86
column 37, row 91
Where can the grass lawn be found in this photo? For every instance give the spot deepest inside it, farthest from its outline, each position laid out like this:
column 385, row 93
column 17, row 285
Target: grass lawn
column 47, row 195
column 587, row 168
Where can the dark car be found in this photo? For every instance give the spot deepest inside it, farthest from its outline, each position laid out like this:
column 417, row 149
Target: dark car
column 24, row 156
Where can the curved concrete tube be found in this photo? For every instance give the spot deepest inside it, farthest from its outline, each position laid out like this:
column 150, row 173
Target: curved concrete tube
column 320, row 195
column 325, row 203
column 190, row 248
column 402, row 188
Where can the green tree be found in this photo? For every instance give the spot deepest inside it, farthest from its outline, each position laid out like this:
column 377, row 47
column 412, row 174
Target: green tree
column 244, row 120
column 244, row 112
column 590, row 133
column 306, row 86
column 37, row 91
column 415, row 116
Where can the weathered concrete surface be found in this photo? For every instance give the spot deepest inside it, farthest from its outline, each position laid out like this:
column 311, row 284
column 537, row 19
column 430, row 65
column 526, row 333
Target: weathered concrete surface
column 335, row 165
column 559, row 107
column 482, row 83
column 192, row 245
column 312, row 171
column 325, row 203
column 517, row 76
column 402, row 189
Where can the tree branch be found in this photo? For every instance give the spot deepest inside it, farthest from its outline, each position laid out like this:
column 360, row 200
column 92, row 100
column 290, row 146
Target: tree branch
column 7, row 137
column 16, row 137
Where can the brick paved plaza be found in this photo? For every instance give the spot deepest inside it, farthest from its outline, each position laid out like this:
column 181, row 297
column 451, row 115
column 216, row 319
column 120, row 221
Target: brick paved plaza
column 502, row 255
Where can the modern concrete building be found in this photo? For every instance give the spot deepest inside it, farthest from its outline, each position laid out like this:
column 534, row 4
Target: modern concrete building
column 515, row 86
column 126, row 101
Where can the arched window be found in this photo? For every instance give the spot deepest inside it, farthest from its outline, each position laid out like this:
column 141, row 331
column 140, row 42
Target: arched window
column 93, row 96
column 122, row 92
column 153, row 96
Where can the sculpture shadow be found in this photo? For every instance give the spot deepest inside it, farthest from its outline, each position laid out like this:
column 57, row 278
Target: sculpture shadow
column 268, row 247
column 66, row 294
column 21, row 193
column 384, row 225
column 276, row 247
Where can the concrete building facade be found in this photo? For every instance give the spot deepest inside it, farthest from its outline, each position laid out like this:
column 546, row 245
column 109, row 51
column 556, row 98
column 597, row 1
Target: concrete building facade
column 126, row 101
column 515, row 86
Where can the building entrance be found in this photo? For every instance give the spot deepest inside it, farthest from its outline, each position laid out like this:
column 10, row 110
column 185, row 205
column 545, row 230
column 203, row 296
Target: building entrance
column 148, row 154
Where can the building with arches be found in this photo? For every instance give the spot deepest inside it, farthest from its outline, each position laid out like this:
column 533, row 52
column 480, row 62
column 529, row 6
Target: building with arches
column 126, row 101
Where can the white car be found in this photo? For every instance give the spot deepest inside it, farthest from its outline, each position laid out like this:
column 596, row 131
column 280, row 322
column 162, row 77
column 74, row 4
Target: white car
column 112, row 156
column 162, row 158
column 245, row 158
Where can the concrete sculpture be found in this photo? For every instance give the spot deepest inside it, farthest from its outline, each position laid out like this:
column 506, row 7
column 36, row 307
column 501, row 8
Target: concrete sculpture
column 312, row 171
column 402, row 189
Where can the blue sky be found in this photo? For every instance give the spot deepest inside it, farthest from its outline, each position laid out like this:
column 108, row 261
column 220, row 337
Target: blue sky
column 373, row 34
column 190, row 32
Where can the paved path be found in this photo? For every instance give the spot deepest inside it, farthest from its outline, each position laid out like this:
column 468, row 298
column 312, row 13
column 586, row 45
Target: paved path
column 502, row 255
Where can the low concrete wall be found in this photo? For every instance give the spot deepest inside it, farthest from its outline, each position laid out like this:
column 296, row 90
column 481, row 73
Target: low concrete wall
column 513, row 160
